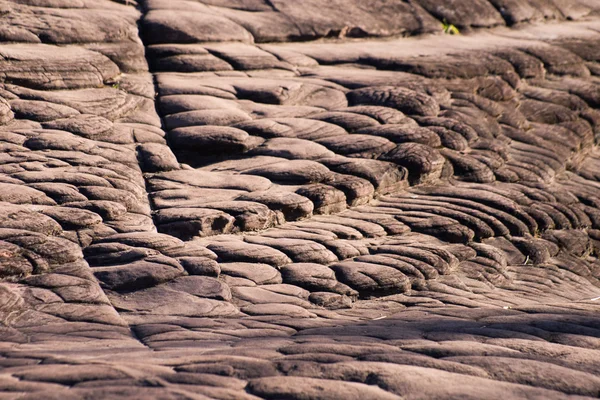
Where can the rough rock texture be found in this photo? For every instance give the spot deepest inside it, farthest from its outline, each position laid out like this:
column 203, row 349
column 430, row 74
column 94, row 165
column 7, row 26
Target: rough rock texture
column 200, row 200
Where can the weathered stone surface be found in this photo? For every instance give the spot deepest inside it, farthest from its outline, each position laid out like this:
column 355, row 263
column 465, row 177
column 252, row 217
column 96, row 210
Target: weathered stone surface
column 406, row 100
column 298, row 387
column 423, row 163
column 370, row 279
column 185, row 27
column 139, row 274
column 39, row 66
column 240, row 218
column 237, row 250
column 314, row 277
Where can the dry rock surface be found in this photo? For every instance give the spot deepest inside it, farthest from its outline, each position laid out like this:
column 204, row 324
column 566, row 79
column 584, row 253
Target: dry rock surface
column 251, row 199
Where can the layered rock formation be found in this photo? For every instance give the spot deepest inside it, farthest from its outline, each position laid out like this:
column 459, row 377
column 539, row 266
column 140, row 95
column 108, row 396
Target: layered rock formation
column 267, row 199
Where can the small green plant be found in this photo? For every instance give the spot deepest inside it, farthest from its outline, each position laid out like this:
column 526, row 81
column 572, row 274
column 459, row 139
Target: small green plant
column 449, row 29
column 116, row 85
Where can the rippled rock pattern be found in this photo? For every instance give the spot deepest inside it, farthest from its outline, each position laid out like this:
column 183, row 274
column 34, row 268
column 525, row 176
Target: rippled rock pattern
column 273, row 199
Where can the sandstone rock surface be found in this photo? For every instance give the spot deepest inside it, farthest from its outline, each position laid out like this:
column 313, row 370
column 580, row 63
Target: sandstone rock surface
column 275, row 199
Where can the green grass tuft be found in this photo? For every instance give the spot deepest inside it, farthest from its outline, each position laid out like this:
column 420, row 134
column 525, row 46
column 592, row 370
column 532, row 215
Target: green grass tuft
column 449, row 29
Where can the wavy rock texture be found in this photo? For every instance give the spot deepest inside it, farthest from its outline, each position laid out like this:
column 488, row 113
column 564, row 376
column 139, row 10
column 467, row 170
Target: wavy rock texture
column 199, row 199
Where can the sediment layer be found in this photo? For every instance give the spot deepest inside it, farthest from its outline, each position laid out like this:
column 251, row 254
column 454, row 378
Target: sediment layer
column 262, row 199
